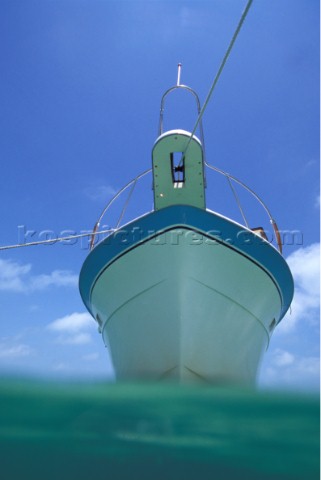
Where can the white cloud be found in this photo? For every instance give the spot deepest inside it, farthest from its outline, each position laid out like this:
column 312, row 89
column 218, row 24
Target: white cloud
column 15, row 277
column 288, row 370
column 305, row 267
column 91, row 357
column 58, row 278
column 100, row 192
column 283, row 358
column 73, row 329
column 61, row 367
column 15, row 351
column 73, row 323
column 75, row 339
column 12, row 275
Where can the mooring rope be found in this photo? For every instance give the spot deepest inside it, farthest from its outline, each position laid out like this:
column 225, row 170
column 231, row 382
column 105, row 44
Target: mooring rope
column 217, row 76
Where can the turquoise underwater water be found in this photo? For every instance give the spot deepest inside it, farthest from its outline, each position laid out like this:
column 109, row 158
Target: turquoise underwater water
column 155, row 431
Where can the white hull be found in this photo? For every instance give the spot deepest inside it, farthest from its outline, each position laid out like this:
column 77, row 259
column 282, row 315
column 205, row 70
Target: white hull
column 177, row 308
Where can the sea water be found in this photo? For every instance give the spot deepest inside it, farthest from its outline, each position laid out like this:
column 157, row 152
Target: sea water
column 155, row 431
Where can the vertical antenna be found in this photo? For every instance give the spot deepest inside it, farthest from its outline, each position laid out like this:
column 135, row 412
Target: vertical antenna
column 179, row 74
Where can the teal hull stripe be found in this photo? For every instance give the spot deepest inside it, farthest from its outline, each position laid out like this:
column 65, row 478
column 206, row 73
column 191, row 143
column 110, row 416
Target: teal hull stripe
column 200, row 221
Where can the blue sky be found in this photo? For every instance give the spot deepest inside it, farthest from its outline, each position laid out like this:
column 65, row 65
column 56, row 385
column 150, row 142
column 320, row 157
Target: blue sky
column 80, row 88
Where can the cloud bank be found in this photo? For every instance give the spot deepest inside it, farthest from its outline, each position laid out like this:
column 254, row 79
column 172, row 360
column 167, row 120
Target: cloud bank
column 292, row 364
column 73, row 329
column 292, row 371
column 305, row 267
column 15, row 277
column 14, row 351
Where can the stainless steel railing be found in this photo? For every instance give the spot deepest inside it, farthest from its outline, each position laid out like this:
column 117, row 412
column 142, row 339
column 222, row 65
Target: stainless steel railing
column 131, row 185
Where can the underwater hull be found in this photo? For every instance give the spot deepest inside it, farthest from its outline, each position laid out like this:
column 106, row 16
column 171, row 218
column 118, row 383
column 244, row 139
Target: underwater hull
column 184, row 305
